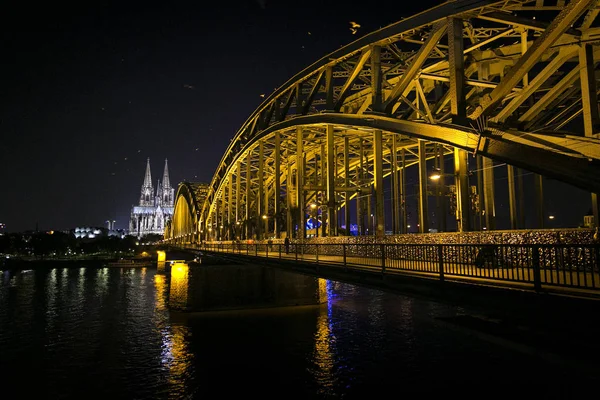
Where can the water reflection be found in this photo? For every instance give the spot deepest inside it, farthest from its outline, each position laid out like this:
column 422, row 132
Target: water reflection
column 176, row 357
column 323, row 355
column 121, row 340
column 179, row 360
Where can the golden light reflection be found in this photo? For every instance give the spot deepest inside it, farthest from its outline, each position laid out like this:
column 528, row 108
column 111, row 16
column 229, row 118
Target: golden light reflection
column 180, row 359
column 160, row 286
column 323, row 353
column 322, row 295
column 178, row 292
column 176, row 355
column 162, row 256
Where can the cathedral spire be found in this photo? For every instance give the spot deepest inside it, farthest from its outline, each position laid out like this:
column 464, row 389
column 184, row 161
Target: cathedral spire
column 147, row 195
column 147, row 177
column 165, row 181
column 168, row 192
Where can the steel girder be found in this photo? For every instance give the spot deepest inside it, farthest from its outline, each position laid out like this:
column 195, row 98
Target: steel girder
column 406, row 86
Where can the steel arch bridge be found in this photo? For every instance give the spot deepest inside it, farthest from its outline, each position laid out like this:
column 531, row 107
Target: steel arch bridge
column 510, row 81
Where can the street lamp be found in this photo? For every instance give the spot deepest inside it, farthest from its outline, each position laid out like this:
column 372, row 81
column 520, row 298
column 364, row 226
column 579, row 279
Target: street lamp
column 314, row 216
column 435, row 175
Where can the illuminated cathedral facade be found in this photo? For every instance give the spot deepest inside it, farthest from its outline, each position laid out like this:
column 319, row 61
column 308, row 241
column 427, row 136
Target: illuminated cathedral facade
column 155, row 209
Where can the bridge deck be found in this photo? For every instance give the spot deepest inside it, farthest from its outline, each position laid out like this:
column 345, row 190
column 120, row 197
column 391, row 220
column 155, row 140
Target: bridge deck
column 555, row 277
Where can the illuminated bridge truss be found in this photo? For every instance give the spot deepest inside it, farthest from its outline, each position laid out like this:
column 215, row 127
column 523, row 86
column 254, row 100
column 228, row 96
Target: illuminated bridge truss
column 508, row 81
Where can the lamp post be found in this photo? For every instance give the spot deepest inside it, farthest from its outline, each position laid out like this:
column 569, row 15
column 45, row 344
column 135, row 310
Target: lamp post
column 314, row 218
column 266, row 231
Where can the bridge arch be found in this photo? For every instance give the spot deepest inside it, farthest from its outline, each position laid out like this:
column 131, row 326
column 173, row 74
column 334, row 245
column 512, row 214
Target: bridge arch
column 465, row 77
column 184, row 226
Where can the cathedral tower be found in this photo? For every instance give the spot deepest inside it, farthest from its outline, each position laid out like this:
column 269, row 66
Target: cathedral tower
column 155, row 209
column 147, row 195
column 167, row 191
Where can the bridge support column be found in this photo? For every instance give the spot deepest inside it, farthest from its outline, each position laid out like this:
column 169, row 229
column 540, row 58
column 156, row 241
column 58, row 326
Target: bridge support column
column 300, row 182
column 230, row 222
column 347, row 184
column 423, row 211
column 260, row 196
column 221, row 221
column 395, row 199
column 512, row 198
column 331, row 172
column 277, row 187
column 288, row 199
column 441, row 189
column 248, row 226
column 378, row 184
column 238, row 198
column 489, row 193
column 463, row 217
column 402, row 187
column 321, row 182
column 360, row 211
column 589, row 100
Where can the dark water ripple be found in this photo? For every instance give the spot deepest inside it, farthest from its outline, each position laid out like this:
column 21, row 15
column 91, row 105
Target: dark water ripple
column 108, row 333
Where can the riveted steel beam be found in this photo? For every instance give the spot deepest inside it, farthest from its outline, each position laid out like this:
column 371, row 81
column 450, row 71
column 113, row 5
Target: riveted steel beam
column 376, row 80
column 556, row 89
column 510, row 19
column 564, row 54
column 434, row 37
column 556, row 28
column 458, row 105
column 589, row 99
column 313, row 92
column 344, row 92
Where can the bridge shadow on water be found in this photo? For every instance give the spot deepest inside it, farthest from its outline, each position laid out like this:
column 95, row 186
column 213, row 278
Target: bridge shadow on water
column 362, row 341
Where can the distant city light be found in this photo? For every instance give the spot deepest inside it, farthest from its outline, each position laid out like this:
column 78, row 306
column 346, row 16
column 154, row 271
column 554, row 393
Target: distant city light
column 551, row 217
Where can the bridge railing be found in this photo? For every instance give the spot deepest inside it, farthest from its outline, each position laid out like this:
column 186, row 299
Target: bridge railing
column 561, row 265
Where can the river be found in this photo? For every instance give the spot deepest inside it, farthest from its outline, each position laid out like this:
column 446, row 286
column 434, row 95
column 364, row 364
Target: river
column 82, row 333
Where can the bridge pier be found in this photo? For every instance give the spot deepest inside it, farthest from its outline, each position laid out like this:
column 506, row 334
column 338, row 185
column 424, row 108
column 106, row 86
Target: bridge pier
column 202, row 287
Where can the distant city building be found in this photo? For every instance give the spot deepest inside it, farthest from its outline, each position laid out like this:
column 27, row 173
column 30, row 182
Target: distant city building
column 588, row 221
column 88, row 232
column 155, row 209
column 95, row 232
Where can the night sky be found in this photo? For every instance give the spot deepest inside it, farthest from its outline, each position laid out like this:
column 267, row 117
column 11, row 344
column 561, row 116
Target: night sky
column 89, row 93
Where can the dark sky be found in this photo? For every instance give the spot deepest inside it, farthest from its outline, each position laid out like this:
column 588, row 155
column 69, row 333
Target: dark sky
column 89, row 92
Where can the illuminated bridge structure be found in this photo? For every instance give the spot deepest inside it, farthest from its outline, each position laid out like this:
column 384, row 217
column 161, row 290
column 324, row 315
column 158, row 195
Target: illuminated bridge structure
column 477, row 82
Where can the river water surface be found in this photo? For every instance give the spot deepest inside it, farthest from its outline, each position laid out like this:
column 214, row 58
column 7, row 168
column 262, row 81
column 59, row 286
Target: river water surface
column 83, row 333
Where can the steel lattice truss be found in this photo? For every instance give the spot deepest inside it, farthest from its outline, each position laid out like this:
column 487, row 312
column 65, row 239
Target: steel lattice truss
column 503, row 79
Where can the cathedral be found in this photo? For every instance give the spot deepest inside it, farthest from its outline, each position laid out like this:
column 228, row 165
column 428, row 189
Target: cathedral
column 155, row 209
